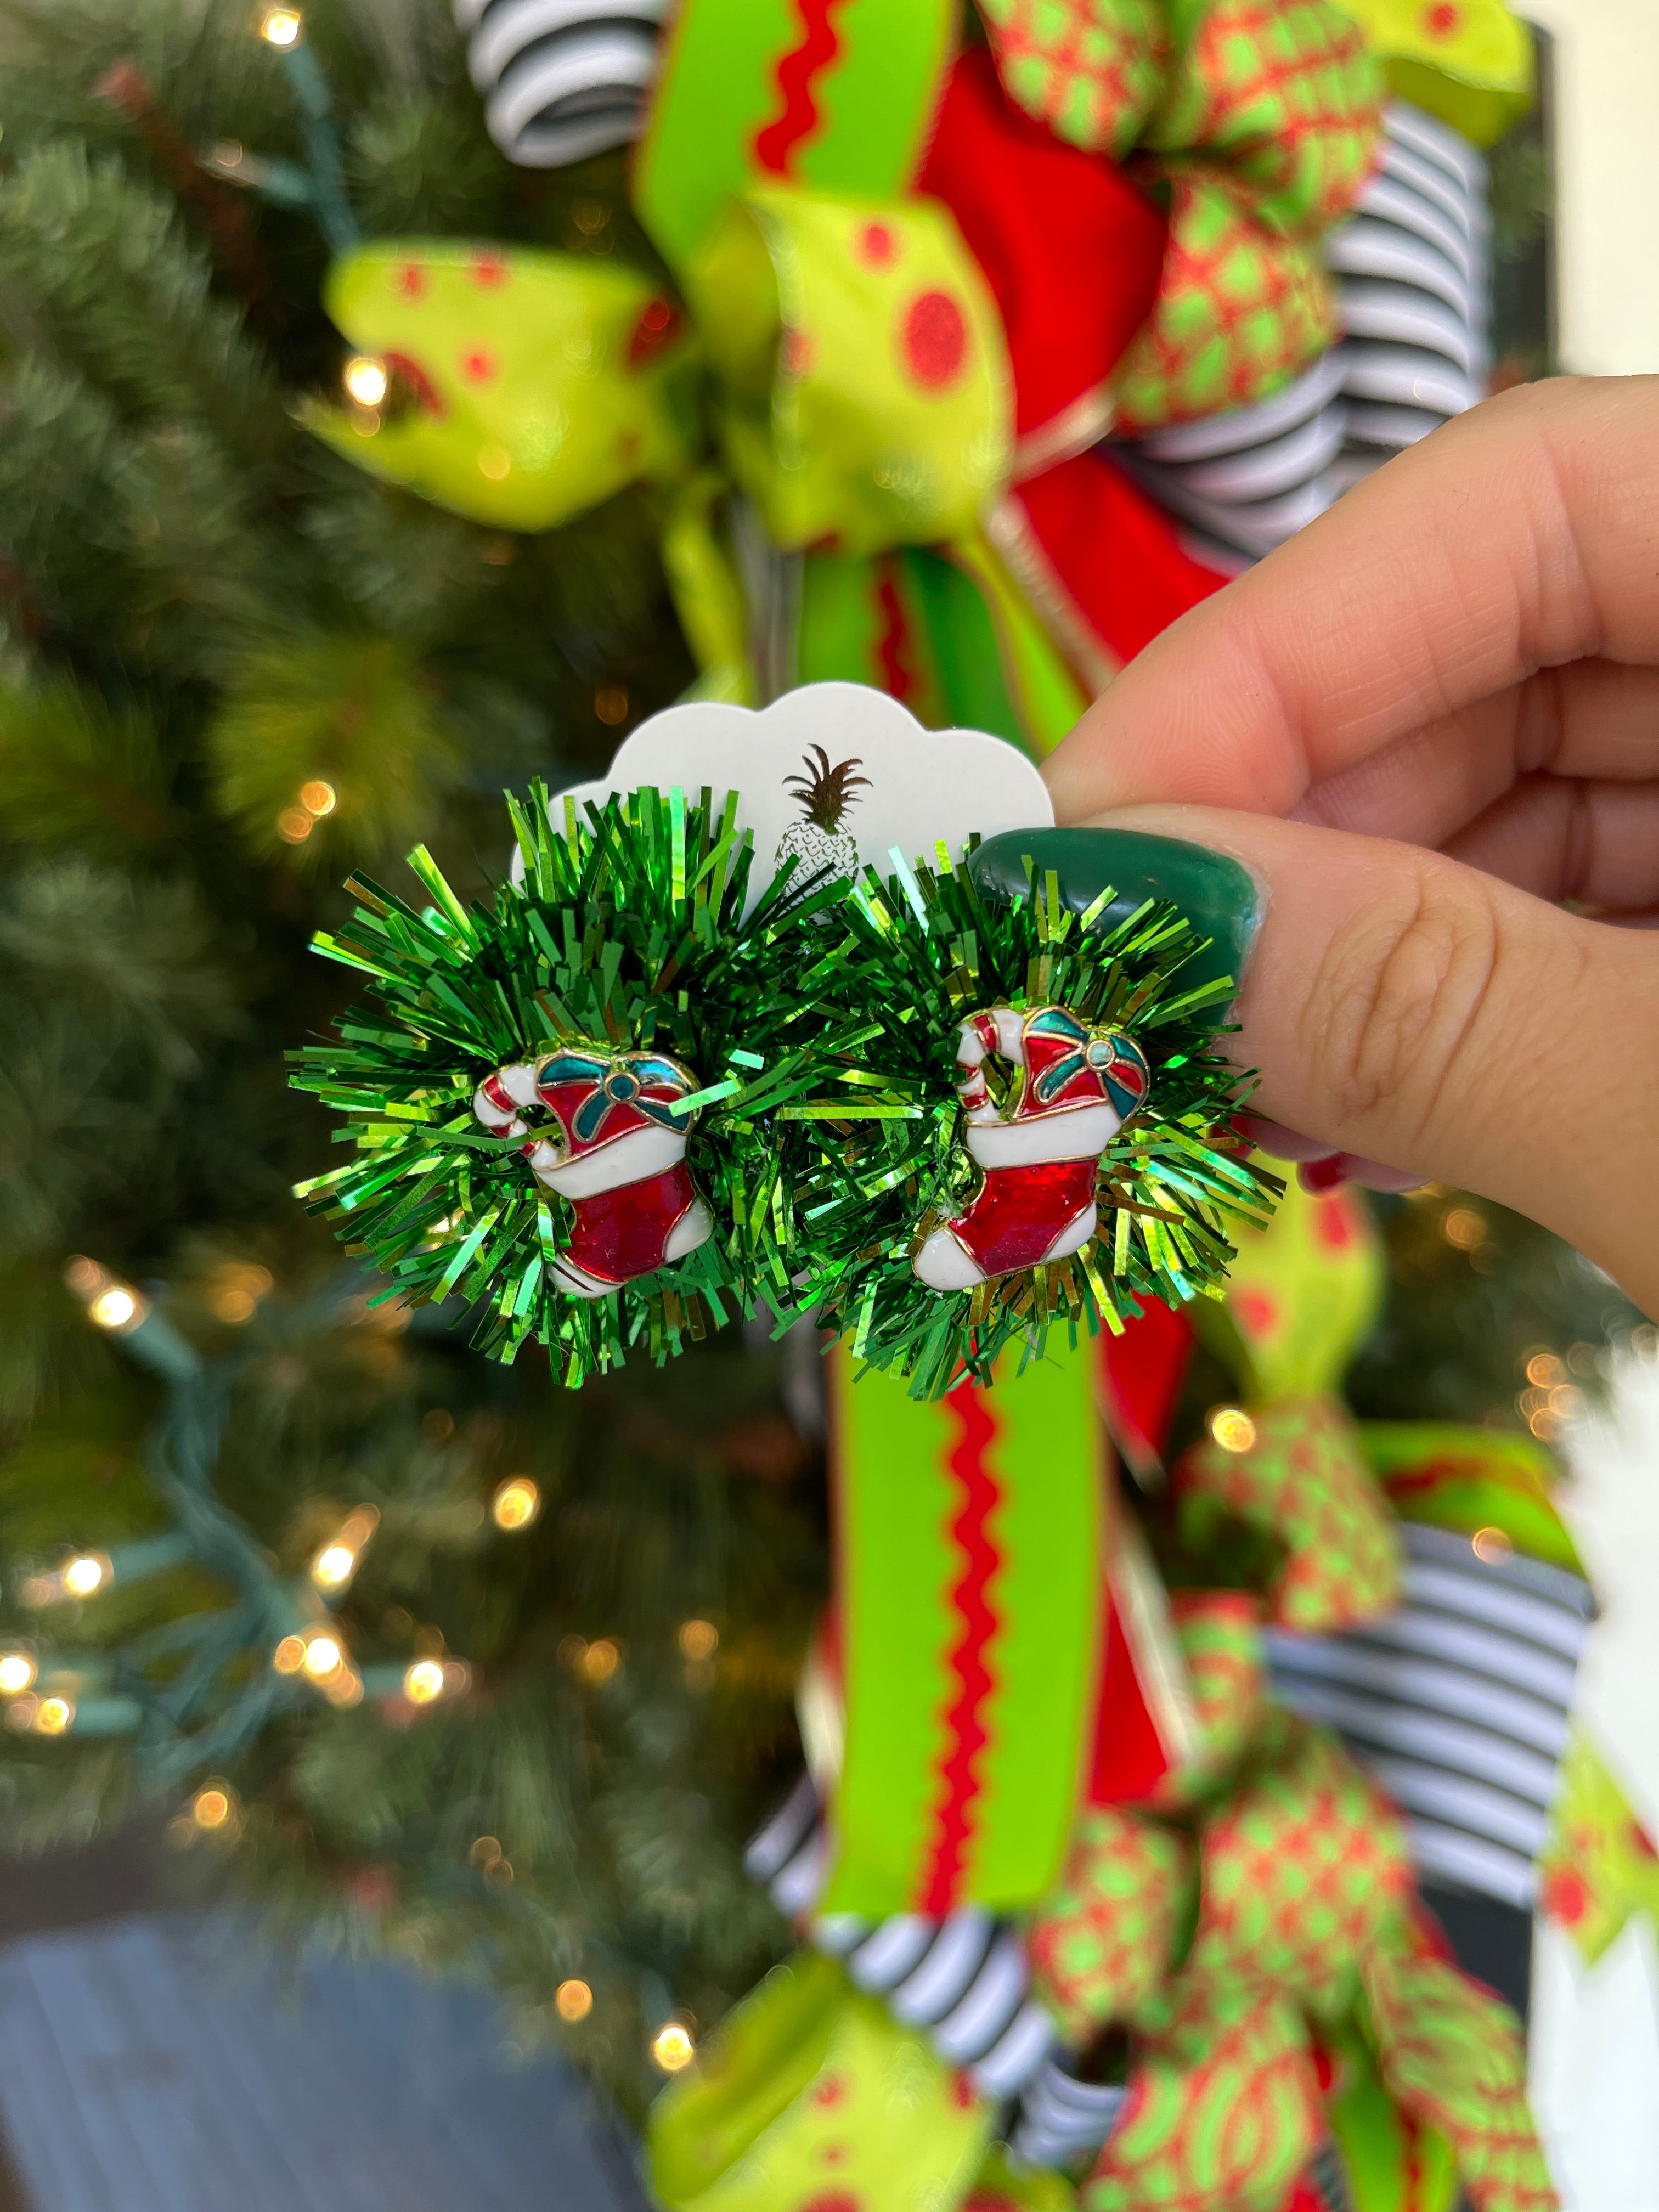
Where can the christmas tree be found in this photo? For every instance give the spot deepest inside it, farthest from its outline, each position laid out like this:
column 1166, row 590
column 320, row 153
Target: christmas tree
column 541, row 1646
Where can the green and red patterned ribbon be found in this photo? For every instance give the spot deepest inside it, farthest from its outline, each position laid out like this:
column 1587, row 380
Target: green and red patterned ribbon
column 971, row 1542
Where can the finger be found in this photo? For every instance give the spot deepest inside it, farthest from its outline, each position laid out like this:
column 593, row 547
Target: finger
column 1593, row 719
column 1524, row 535
column 1409, row 1009
column 1597, row 843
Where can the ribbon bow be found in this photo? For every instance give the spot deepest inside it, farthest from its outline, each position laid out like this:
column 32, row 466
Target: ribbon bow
column 890, row 337
column 1111, row 1054
column 625, row 1084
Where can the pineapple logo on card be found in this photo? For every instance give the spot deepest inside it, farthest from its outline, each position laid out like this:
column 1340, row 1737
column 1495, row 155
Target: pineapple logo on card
column 821, row 849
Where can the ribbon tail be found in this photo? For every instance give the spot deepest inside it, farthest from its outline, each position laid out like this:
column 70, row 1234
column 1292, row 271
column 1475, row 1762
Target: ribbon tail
column 708, row 594
column 1046, row 692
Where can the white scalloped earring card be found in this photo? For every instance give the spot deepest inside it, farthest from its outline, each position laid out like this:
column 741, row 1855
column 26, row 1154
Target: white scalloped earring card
column 922, row 787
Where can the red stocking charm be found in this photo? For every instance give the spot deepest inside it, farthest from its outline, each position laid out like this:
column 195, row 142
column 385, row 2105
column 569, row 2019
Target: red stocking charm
column 603, row 1135
column 1037, row 1201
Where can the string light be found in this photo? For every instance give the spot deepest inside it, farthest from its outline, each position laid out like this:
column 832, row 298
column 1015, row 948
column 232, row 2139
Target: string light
column 320, row 1657
column 116, row 1307
column 289, row 1655
column 366, row 378
column 516, row 1503
column 699, row 1639
column 423, row 1682
column 234, row 1290
column 1490, row 1544
column 573, row 1999
column 281, row 26
column 17, row 1673
column 600, row 1660
column 53, row 1715
column 212, row 1806
column 111, row 1303
column 672, row 2048
column 338, row 1560
column 85, row 1574
column 1232, row 1428
column 316, row 798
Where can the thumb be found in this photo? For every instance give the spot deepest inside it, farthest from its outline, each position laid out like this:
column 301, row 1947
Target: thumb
column 1401, row 1005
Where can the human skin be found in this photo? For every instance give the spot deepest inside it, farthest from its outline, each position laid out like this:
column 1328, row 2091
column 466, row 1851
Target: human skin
column 1422, row 724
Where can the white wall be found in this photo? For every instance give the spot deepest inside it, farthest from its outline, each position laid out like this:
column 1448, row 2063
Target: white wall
column 1595, row 2030
column 1608, row 167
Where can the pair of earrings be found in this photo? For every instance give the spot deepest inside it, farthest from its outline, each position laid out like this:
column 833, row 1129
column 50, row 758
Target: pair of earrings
column 648, row 1084
column 607, row 1132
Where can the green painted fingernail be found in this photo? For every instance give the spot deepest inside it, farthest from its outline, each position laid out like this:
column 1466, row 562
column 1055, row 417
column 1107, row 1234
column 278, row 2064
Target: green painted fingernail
column 1218, row 896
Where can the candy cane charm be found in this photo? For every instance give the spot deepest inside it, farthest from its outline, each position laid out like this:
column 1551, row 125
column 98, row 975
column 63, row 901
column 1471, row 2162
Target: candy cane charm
column 1077, row 1087
column 603, row 1133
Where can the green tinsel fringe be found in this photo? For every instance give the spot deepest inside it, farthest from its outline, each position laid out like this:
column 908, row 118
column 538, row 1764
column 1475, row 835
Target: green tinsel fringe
column 923, row 951
column 629, row 931
column 823, row 1032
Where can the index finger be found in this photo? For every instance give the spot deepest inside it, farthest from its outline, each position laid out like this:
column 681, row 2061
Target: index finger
column 1522, row 536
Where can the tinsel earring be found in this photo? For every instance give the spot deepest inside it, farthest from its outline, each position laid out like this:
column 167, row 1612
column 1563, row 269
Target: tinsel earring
column 561, row 1099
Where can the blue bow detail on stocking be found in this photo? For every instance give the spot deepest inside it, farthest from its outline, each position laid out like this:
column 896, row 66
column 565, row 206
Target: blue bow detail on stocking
column 1112, row 1054
column 623, row 1081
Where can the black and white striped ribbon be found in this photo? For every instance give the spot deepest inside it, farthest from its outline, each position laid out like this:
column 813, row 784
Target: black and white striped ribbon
column 1458, row 1704
column 1329, row 2176
column 1411, row 265
column 1250, row 478
column 1061, row 2120
column 963, row 1978
column 560, row 78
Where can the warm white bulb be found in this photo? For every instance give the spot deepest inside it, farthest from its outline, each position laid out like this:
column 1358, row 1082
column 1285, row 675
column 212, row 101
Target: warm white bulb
column 211, row 1808
column 423, row 1682
column 16, row 1672
column 366, row 380
column 516, row 1503
column 333, row 1565
column 83, row 1576
column 672, row 2048
column 53, row 1715
column 323, row 1656
column 115, row 1307
column 1232, row 1428
column 281, row 26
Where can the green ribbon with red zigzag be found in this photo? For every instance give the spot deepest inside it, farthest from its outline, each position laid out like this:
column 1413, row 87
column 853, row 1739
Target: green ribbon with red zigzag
column 971, row 1538
column 833, row 95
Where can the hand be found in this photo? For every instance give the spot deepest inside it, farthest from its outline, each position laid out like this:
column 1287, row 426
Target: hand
column 1437, row 709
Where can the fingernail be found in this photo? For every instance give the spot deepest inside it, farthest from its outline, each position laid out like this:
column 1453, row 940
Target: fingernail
column 1320, row 1166
column 1215, row 892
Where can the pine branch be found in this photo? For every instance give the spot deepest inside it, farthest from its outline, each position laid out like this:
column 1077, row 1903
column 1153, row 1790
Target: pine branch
column 351, row 712
column 74, row 771
column 123, row 297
